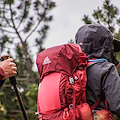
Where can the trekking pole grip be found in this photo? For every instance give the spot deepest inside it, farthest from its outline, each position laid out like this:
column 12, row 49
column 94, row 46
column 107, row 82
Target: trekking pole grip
column 12, row 79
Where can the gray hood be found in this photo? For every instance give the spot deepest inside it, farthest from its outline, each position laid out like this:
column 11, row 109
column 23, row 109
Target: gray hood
column 96, row 41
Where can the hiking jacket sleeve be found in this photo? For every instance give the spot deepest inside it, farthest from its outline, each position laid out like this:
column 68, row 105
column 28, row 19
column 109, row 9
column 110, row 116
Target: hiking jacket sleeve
column 103, row 80
column 111, row 88
column 1, row 77
column 1, row 73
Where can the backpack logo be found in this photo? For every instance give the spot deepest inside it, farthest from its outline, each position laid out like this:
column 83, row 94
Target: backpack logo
column 46, row 61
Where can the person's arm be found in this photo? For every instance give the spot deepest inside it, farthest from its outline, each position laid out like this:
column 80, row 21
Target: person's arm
column 111, row 88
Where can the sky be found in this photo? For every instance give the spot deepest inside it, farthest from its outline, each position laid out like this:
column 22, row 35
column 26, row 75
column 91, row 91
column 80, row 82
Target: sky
column 67, row 18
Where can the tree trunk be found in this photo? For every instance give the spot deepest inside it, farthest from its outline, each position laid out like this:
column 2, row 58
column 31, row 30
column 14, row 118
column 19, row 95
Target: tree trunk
column 28, row 62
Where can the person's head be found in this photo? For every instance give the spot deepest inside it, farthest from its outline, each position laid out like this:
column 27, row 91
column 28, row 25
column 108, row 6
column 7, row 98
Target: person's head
column 97, row 41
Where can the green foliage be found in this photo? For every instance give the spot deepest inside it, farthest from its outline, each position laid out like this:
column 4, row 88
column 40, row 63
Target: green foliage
column 107, row 15
column 3, row 41
column 118, row 58
column 21, row 66
column 86, row 19
column 42, row 33
column 9, row 1
column 9, row 105
column 117, row 36
column 29, row 25
column 24, row 17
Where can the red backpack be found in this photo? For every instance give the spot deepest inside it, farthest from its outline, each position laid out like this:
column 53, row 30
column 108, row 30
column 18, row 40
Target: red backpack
column 62, row 89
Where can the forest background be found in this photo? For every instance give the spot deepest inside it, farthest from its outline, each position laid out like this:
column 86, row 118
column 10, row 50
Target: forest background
column 21, row 19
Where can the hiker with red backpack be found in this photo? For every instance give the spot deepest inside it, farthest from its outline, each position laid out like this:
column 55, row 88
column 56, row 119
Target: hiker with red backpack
column 103, row 81
column 62, row 90
column 62, row 69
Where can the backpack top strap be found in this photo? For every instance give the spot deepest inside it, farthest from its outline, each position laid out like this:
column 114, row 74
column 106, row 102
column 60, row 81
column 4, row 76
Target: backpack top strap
column 93, row 61
column 98, row 60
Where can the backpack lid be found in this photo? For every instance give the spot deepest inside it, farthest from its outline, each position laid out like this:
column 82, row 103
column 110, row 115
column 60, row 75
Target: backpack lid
column 63, row 58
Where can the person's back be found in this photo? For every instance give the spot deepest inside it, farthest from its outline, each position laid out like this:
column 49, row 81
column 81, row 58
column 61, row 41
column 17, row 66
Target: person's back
column 103, row 82
column 102, row 78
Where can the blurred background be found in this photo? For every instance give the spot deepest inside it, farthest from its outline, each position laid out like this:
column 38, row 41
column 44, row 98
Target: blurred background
column 29, row 26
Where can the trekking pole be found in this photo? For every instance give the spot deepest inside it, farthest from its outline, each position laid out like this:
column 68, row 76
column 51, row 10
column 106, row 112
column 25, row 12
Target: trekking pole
column 13, row 83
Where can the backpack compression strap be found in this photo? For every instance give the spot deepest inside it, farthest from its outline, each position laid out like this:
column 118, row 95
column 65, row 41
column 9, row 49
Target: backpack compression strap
column 96, row 104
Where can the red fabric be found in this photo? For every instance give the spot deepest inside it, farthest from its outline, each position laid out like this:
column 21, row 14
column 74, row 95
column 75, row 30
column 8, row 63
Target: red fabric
column 48, row 94
column 79, row 86
column 56, row 65
column 1, row 73
column 82, row 112
column 53, row 116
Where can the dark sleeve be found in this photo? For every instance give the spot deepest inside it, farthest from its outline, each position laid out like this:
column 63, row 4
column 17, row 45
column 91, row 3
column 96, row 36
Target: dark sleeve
column 111, row 89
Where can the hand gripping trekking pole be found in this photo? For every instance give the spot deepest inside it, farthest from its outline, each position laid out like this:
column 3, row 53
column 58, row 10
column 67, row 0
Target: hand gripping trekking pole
column 13, row 83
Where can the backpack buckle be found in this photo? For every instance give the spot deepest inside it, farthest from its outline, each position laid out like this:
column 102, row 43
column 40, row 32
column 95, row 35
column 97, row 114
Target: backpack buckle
column 80, row 68
column 76, row 78
column 71, row 80
column 36, row 113
column 71, row 106
column 65, row 114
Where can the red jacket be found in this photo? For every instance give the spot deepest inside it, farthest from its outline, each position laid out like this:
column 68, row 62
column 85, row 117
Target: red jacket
column 1, row 73
column 1, row 76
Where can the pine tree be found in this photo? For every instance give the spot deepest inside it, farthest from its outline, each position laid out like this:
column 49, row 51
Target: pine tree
column 108, row 15
column 21, row 19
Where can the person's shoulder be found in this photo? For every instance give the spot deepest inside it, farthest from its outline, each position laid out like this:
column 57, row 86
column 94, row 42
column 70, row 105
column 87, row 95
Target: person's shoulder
column 107, row 64
column 102, row 66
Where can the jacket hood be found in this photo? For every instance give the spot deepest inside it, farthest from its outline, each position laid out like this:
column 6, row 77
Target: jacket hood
column 96, row 41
